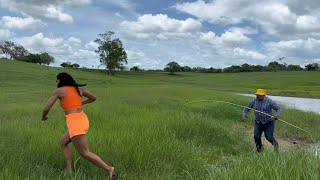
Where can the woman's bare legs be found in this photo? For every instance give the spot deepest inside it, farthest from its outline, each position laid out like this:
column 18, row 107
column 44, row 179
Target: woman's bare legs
column 80, row 143
column 65, row 140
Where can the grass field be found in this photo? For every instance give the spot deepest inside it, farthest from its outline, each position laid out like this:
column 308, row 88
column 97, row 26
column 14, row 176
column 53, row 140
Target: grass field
column 141, row 125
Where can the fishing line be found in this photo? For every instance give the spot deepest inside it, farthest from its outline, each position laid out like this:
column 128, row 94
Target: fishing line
column 226, row 102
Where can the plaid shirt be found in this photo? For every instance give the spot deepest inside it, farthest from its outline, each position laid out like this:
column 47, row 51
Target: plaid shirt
column 265, row 106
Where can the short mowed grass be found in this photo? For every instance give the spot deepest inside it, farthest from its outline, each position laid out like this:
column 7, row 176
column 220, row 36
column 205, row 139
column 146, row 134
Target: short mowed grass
column 141, row 125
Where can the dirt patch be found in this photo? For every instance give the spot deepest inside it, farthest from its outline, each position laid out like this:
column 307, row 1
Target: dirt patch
column 285, row 144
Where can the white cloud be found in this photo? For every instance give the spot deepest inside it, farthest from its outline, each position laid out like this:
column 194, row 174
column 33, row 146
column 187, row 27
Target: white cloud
column 214, row 12
column 159, row 26
column 307, row 23
column 74, row 40
column 53, row 12
column 5, row 34
column 242, row 53
column 38, row 40
column 232, row 37
column 125, row 4
column 92, row 45
column 43, row 9
column 20, row 23
column 134, row 54
column 305, row 49
column 277, row 18
column 61, row 49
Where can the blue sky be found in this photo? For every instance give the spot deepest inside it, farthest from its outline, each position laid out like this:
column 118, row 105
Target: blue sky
column 199, row 33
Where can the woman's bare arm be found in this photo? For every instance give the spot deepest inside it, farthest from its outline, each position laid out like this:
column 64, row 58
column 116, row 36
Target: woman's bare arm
column 50, row 103
column 90, row 96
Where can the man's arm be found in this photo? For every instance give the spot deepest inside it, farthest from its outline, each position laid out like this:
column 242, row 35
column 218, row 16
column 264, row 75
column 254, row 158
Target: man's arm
column 247, row 109
column 277, row 108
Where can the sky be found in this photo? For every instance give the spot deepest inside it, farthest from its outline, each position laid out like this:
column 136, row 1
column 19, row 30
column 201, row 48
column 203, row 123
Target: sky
column 201, row 33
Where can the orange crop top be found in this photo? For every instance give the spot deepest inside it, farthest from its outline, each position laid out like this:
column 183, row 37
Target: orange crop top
column 72, row 100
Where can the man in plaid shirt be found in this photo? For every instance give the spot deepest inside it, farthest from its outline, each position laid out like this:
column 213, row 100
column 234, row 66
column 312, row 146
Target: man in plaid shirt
column 263, row 123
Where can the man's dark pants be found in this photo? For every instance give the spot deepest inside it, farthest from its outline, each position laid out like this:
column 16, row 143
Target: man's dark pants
column 268, row 129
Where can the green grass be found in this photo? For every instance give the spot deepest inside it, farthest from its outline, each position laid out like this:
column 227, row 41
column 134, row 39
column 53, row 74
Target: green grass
column 141, row 125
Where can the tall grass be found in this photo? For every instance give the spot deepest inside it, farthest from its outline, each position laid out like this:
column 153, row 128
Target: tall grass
column 141, row 125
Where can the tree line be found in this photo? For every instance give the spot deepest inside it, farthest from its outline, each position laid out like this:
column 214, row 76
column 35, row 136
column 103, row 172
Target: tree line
column 14, row 51
column 173, row 67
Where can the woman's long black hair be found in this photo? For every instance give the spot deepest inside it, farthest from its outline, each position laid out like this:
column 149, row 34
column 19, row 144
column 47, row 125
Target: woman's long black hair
column 66, row 79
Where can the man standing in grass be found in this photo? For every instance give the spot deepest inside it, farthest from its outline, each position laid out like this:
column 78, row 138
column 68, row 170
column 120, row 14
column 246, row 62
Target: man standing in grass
column 263, row 122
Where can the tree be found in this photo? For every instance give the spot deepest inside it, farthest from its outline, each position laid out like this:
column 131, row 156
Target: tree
column 7, row 48
column 172, row 67
column 186, row 69
column 312, row 67
column 45, row 58
column 246, row 68
column 275, row 66
column 75, row 65
column 18, row 51
column 65, row 64
column 69, row 65
column 31, row 58
column 232, row 69
column 292, row 67
column 135, row 68
column 111, row 52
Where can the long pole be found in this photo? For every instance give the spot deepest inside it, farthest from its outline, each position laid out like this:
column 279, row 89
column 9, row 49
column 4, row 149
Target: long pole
column 248, row 108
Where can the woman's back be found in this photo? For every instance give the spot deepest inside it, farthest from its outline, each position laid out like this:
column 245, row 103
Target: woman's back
column 72, row 99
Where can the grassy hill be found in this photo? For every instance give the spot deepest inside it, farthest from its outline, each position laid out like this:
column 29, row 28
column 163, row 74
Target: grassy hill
column 141, row 125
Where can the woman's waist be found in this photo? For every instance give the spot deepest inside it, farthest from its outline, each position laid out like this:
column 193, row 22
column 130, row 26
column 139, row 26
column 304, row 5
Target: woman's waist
column 72, row 111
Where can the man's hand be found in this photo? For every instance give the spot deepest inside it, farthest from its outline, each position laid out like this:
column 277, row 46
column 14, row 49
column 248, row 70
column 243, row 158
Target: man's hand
column 275, row 118
column 244, row 118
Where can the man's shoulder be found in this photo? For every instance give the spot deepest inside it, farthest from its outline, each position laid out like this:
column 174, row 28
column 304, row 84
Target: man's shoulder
column 270, row 100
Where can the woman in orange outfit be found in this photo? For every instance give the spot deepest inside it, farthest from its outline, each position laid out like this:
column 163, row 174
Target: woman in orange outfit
column 70, row 96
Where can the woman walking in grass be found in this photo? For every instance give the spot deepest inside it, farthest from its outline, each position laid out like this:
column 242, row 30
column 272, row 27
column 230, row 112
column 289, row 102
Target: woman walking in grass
column 70, row 96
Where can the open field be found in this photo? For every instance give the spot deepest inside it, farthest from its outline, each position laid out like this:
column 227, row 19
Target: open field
column 140, row 125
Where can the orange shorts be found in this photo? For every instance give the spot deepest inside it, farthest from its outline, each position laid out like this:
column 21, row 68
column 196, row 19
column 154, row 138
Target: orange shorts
column 77, row 123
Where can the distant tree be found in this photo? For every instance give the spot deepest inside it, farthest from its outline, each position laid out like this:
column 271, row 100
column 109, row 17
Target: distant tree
column 111, row 51
column 275, row 66
column 45, row 58
column 135, row 68
column 18, row 51
column 31, row 58
column 7, row 48
column 232, row 69
column 246, row 68
column 172, row 67
column 66, row 64
column 312, row 67
column 259, row 68
column 213, row 70
column 186, row 69
column 75, row 65
column 292, row 67
column 69, row 65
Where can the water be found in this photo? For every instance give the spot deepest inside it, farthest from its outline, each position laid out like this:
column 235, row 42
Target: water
column 314, row 149
column 304, row 104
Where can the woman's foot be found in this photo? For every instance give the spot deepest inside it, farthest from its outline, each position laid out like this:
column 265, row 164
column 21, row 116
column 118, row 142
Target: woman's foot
column 68, row 170
column 112, row 175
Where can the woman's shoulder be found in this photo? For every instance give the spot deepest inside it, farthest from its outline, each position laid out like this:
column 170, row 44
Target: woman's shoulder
column 60, row 89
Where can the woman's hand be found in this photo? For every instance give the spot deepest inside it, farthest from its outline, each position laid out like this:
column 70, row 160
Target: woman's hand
column 90, row 96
